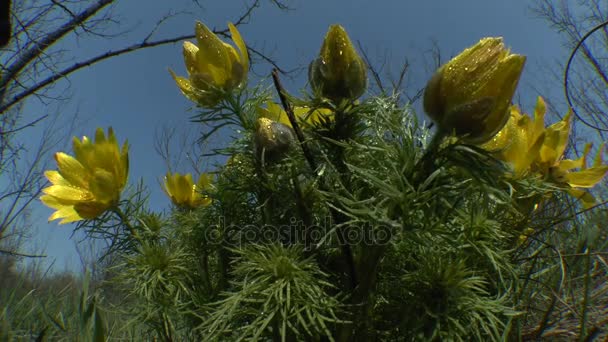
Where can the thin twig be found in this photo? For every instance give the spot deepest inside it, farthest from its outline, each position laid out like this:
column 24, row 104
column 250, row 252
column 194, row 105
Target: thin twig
column 371, row 68
column 49, row 40
column 75, row 67
column 292, row 120
column 19, row 254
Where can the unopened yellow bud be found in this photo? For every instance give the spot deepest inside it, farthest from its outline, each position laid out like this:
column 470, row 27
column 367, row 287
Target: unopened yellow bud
column 339, row 72
column 470, row 95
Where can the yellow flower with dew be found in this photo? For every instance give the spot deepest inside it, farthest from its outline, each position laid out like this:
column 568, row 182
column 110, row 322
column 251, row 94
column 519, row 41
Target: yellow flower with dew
column 305, row 115
column 214, row 67
column 470, row 95
column 521, row 139
column 551, row 164
column 89, row 183
column 184, row 193
column 339, row 72
column 531, row 148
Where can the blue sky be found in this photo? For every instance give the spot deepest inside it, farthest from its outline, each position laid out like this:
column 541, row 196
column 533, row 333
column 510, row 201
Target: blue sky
column 135, row 94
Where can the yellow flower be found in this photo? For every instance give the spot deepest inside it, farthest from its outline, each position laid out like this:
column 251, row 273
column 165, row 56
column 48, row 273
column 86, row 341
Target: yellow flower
column 184, row 193
column 91, row 182
column 339, row 72
column 305, row 115
column 560, row 171
column 529, row 147
column 213, row 66
column 470, row 95
column 521, row 139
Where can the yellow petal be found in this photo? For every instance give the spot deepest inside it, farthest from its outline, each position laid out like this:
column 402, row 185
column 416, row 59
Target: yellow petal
column 585, row 197
column 55, row 177
column 526, row 159
column 100, row 136
column 597, row 161
column 90, row 210
column 189, row 51
column 54, row 202
column 556, row 140
column 71, row 170
column 104, row 186
column 202, row 202
column 67, row 214
column 238, row 72
column 539, row 119
column 68, row 193
column 240, row 43
column 112, row 138
column 185, row 86
column 123, row 174
column 185, row 185
column 84, row 152
column 587, row 178
column 205, row 181
column 275, row 112
column 569, row 164
column 212, row 55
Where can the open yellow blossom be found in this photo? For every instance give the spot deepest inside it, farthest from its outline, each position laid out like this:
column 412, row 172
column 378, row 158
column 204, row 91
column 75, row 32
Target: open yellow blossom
column 470, row 95
column 305, row 115
column 184, row 193
column 521, row 139
column 89, row 183
column 550, row 163
column 213, row 66
column 531, row 148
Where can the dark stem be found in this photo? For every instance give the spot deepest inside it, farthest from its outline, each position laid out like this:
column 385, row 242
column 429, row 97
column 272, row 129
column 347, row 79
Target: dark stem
column 292, row 120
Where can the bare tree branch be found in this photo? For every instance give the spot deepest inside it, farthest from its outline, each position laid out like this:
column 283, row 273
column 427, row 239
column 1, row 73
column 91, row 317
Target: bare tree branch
column 49, row 40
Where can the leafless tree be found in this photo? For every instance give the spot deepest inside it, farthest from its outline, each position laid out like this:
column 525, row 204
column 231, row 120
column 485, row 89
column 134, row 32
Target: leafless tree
column 584, row 77
column 31, row 64
column 576, row 307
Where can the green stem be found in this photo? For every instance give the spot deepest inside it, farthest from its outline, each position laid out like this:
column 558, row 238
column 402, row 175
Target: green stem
column 235, row 107
column 206, row 276
column 223, row 264
column 583, row 322
column 125, row 221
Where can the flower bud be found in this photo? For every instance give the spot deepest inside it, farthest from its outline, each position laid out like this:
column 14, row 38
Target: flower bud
column 273, row 139
column 339, row 72
column 470, row 95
